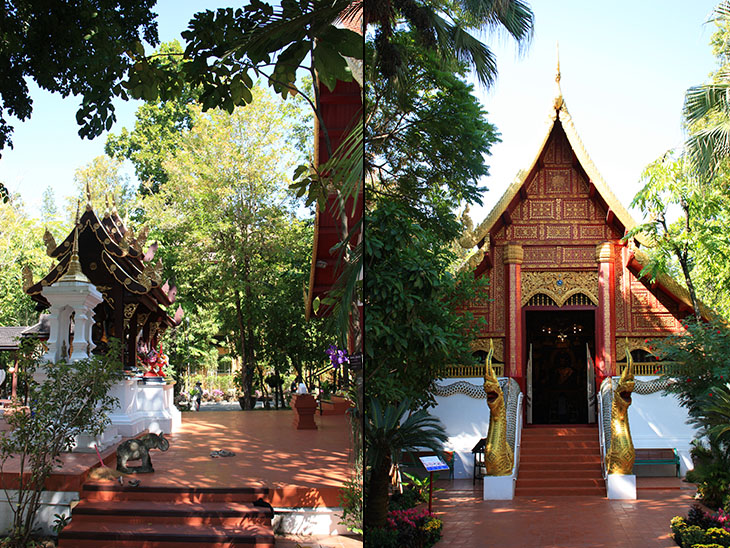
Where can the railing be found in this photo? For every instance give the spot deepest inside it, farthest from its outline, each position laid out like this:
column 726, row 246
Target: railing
column 467, row 371
column 601, row 429
column 518, row 438
column 649, row 368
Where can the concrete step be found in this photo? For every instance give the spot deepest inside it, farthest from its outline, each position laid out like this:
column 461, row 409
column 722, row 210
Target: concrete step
column 163, row 535
column 230, row 514
column 108, row 491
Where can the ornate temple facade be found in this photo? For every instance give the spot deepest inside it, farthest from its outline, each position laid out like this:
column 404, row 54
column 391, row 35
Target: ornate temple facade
column 565, row 296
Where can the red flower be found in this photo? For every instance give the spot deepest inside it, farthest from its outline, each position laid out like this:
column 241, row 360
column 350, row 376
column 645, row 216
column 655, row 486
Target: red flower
column 710, row 394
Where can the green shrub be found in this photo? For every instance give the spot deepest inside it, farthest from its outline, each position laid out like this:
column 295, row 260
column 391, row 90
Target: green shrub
column 716, row 535
column 402, row 501
column 381, row 538
column 708, row 546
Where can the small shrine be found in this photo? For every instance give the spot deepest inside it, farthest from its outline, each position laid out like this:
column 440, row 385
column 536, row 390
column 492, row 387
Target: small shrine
column 132, row 302
column 107, row 285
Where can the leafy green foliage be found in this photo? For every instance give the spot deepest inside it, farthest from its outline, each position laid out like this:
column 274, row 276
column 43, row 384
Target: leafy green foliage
column 158, row 129
column 21, row 244
column 445, row 28
column 51, row 423
column 426, row 138
column 72, row 49
column 390, row 430
column 711, row 473
column 227, row 50
column 701, row 351
column 688, row 228
column 225, row 222
column 413, row 298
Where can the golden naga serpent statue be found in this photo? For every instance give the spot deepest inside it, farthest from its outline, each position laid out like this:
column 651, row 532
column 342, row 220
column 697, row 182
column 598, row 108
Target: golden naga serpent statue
column 498, row 458
column 620, row 456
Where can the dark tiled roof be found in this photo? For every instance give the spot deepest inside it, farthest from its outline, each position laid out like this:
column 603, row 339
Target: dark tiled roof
column 10, row 336
column 42, row 328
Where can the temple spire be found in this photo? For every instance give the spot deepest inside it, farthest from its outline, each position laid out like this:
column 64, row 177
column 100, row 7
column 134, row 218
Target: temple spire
column 74, row 272
column 558, row 92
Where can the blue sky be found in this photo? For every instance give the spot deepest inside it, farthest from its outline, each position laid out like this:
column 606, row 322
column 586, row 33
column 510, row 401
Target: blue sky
column 625, row 67
column 47, row 149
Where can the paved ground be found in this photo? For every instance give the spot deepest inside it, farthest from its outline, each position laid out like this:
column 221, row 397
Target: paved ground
column 300, row 541
column 565, row 522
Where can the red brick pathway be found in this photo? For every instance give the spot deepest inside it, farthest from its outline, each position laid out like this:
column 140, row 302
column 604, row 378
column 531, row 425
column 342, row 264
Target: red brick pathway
column 565, row 522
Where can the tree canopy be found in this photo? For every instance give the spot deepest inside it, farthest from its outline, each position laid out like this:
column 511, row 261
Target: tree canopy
column 82, row 49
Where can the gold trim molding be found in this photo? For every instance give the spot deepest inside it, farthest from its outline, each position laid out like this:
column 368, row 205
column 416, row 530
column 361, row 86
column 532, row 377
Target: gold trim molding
column 483, row 345
column 559, row 286
column 513, row 254
column 631, row 343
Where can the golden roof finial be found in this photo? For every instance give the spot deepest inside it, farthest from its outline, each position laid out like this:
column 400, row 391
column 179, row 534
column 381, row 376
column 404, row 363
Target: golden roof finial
column 74, row 272
column 76, row 218
column 559, row 93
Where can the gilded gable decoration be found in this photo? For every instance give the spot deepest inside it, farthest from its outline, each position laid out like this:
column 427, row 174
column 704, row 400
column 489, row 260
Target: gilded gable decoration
column 560, row 286
column 483, row 345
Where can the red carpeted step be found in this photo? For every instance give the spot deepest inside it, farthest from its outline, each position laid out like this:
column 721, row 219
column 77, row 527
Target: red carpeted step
column 542, row 473
column 560, row 492
column 186, row 513
column 560, row 460
column 81, row 535
column 561, row 466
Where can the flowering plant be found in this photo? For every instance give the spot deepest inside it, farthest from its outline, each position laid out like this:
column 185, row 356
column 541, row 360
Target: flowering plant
column 337, row 356
column 415, row 526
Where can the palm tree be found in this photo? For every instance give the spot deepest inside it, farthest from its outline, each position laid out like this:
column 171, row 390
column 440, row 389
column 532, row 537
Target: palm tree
column 707, row 111
column 448, row 34
column 387, row 435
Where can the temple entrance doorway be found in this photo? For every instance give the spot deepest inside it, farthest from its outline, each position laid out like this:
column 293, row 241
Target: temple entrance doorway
column 560, row 382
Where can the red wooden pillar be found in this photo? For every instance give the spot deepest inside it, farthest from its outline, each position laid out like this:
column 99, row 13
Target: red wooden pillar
column 605, row 324
column 513, row 255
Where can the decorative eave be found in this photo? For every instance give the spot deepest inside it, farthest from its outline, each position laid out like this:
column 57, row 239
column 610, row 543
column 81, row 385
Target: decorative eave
column 637, row 260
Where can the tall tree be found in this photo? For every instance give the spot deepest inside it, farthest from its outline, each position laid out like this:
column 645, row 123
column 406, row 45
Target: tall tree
column 72, row 48
column 158, row 128
column 707, row 106
column 102, row 182
column 415, row 326
column 21, row 246
column 688, row 226
column 426, row 138
column 445, row 29
column 221, row 214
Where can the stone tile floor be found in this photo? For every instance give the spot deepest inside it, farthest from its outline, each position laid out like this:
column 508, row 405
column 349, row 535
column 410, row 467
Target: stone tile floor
column 300, row 541
column 564, row 522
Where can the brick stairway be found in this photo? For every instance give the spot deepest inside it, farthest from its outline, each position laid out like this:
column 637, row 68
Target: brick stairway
column 115, row 516
column 560, row 460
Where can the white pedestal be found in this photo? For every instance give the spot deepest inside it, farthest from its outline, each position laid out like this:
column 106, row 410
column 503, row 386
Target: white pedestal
column 126, row 417
column 499, row 487
column 155, row 404
column 621, row 487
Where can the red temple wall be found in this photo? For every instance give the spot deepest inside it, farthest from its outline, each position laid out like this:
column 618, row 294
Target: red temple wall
column 559, row 223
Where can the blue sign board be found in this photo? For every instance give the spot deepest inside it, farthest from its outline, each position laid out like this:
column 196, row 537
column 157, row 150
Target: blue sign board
column 433, row 464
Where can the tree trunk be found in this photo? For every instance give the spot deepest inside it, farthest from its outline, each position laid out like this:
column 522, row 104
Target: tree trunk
column 246, row 380
column 376, row 510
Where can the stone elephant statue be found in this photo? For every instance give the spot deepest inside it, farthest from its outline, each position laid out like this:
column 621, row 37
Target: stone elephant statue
column 140, row 449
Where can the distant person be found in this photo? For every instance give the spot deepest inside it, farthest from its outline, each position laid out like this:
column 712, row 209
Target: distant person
column 197, row 395
column 301, row 388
